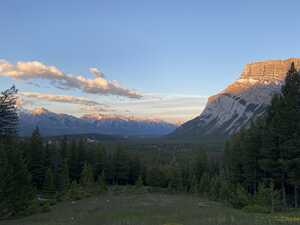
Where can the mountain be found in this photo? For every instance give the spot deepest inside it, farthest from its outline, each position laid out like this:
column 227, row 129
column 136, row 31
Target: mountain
column 52, row 124
column 110, row 124
column 246, row 98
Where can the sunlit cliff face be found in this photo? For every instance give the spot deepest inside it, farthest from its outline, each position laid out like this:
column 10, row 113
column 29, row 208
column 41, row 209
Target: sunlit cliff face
column 244, row 99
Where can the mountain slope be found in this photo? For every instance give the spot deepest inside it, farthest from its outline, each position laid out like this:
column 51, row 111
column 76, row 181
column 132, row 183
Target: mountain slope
column 243, row 100
column 51, row 124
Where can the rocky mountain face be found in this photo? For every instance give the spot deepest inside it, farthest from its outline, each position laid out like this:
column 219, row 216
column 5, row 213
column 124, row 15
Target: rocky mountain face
column 52, row 124
column 243, row 100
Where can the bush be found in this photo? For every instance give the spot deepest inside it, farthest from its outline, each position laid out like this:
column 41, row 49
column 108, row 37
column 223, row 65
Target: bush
column 45, row 207
column 267, row 197
column 239, row 198
column 256, row 209
column 31, row 209
column 75, row 192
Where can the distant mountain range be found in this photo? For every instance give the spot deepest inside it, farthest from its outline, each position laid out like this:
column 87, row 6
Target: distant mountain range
column 53, row 124
column 245, row 99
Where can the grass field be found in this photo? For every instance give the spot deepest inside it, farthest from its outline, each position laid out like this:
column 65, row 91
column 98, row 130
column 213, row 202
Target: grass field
column 149, row 209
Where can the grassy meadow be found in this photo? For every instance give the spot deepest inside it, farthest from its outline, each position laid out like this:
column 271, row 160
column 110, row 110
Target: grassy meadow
column 149, row 209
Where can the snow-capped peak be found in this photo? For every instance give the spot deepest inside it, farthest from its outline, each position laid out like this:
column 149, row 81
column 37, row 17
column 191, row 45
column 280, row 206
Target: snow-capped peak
column 39, row 111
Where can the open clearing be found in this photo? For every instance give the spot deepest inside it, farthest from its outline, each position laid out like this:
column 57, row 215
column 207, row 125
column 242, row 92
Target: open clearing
column 148, row 209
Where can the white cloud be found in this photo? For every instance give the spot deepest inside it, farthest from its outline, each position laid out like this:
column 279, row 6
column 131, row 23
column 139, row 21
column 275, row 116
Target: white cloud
column 36, row 70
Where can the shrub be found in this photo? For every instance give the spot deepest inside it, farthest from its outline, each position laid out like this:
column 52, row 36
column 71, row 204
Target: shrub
column 253, row 208
column 45, row 207
column 239, row 198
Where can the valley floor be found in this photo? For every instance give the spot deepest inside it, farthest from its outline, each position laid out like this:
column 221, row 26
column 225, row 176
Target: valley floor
column 149, row 209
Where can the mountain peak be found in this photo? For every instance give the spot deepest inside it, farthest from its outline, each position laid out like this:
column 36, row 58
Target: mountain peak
column 246, row 98
column 39, row 111
column 99, row 117
column 270, row 70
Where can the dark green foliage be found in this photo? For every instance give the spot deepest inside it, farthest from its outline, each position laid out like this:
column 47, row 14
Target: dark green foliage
column 63, row 178
column 139, row 183
column 87, row 177
column 121, row 166
column 200, row 165
column 102, row 183
column 16, row 192
column 75, row 192
column 8, row 112
column 36, row 159
column 49, row 189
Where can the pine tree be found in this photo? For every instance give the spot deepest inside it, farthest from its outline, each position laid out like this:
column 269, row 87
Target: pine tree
column 102, row 182
column 16, row 191
column 63, row 178
column 87, row 177
column 74, row 163
column 49, row 189
column 200, row 165
column 75, row 192
column 101, row 158
column 64, row 148
column 233, row 159
column 135, row 169
column 37, row 159
column 251, row 144
column 121, row 166
column 8, row 112
column 139, row 183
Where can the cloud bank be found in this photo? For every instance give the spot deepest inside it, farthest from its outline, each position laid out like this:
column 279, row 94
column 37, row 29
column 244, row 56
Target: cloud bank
column 36, row 70
column 61, row 98
column 171, row 108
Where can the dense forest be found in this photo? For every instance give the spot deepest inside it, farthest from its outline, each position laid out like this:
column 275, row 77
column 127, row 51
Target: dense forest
column 259, row 171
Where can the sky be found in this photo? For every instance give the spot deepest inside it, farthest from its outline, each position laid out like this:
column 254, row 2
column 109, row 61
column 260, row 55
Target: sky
column 150, row 59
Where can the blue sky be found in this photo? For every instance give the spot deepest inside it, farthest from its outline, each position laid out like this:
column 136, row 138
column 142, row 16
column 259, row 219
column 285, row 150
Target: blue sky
column 171, row 49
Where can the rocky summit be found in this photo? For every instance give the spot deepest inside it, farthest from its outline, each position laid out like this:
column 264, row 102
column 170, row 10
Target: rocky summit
column 246, row 98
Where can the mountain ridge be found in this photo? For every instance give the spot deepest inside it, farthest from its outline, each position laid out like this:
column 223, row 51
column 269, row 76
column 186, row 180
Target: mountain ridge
column 240, row 102
column 51, row 124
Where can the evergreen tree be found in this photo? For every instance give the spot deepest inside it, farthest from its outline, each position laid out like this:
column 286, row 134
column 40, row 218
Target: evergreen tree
column 37, row 159
column 121, row 166
column 251, row 144
column 74, row 163
column 139, row 183
column 8, row 112
column 16, row 191
column 102, row 182
column 49, row 189
column 135, row 169
column 87, row 177
column 63, row 180
column 200, row 165
column 64, row 148
column 101, row 158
